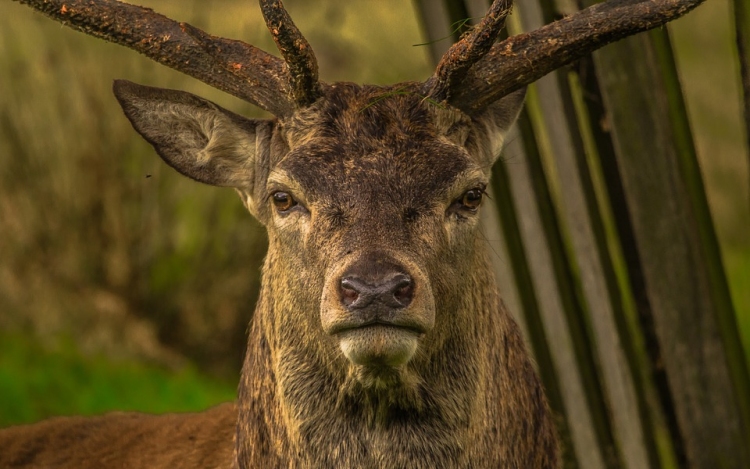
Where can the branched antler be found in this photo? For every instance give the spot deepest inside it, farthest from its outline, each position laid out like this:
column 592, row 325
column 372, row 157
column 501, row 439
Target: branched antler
column 232, row 66
column 522, row 59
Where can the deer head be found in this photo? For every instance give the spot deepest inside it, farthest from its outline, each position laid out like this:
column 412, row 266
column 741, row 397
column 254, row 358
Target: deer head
column 366, row 193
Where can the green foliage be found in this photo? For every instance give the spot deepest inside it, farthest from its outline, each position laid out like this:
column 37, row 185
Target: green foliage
column 38, row 382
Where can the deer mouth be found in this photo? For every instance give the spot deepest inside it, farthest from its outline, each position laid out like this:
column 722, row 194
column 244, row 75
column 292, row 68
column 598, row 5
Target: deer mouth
column 379, row 343
column 380, row 337
column 407, row 325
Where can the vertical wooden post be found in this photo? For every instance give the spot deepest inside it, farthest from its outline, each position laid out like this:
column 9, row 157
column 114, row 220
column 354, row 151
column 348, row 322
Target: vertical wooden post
column 615, row 395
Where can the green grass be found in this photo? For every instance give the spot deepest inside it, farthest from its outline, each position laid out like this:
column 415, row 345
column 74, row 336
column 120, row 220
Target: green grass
column 37, row 382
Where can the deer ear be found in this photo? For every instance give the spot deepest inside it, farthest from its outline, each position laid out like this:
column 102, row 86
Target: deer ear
column 194, row 136
column 497, row 120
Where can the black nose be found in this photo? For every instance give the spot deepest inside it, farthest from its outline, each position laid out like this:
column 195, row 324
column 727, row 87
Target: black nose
column 392, row 291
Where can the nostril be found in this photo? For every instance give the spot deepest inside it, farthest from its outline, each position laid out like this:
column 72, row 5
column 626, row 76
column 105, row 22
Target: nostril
column 403, row 290
column 349, row 292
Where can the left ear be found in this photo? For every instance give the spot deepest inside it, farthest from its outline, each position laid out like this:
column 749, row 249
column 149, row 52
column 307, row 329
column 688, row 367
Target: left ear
column 495, row 123
column 196, row 137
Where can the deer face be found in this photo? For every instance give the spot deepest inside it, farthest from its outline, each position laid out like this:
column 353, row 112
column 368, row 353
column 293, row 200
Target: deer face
column 372, row 195
column 371, row 199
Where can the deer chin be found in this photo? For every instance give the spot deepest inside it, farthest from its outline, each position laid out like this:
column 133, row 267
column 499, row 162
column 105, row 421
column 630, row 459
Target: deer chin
column 379, row 345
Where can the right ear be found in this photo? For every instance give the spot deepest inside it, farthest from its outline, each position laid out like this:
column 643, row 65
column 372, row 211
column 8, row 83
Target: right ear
column 497, row 120
column 194, row 136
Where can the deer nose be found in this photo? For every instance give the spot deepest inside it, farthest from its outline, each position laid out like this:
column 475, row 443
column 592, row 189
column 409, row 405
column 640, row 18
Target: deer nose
column 394, row 290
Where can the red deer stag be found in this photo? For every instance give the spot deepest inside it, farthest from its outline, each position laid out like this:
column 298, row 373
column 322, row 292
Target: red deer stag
column 379, row 340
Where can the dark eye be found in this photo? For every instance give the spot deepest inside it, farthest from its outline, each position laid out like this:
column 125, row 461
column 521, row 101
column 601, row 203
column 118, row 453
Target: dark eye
column 471, row 200
column 283, row 201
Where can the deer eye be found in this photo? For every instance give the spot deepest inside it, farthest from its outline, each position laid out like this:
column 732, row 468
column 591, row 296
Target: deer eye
column 471, row 200
column 283, row 201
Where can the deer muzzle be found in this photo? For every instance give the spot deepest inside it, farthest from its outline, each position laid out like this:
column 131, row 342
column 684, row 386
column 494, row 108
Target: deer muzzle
column 378, row 309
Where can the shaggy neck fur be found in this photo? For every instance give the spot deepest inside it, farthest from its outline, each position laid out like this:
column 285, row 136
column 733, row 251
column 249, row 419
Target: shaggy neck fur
column 474, row 403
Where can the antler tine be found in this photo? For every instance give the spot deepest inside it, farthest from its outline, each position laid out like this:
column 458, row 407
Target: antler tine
column 232, row 66
column 299, row 56
column 456, row 62
column 522, row 59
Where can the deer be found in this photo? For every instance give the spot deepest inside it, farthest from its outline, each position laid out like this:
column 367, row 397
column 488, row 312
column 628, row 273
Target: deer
column 379, row 339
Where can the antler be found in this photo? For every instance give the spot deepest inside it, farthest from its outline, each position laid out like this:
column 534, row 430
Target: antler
column 229, row 65
column 456, row 62
column 297, row 52
column 522, row 59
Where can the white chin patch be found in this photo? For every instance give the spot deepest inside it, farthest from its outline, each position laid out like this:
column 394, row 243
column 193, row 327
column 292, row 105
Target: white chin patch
column 378, row 345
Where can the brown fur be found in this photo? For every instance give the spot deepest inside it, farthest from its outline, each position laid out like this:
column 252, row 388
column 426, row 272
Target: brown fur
column 377, row 173
column 123, row 440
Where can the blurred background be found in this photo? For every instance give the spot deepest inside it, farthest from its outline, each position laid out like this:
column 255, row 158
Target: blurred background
column 125, row 286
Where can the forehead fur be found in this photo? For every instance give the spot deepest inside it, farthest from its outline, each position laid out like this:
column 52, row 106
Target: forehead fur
column 369, row 138
column 361, row 114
